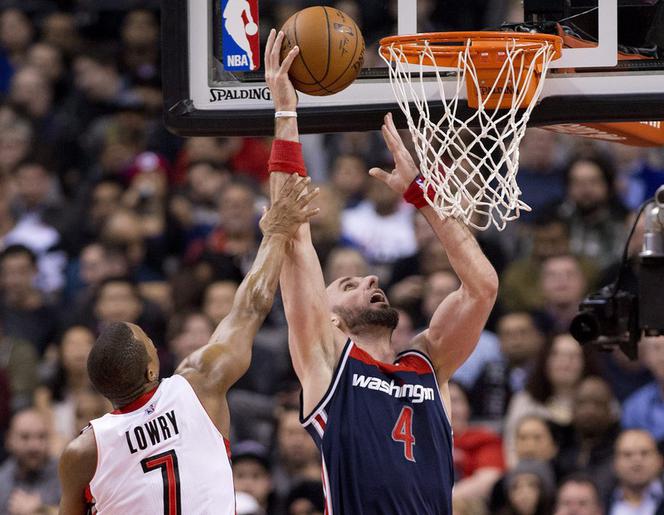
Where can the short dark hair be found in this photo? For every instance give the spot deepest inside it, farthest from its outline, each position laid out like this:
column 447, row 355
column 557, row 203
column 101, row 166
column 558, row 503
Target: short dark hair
column 16, row 250
column 117, row 363
column 583, row 479
column 114, row 280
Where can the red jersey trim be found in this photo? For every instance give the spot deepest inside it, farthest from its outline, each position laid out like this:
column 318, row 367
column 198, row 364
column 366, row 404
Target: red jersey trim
column 404, row 363
column 136, row 403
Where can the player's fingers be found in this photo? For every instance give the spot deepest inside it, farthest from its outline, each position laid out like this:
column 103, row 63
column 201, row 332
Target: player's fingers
column 391, row 143
column 285, row 66
column 268, row 48
column 306, row 199
column 288, row 186
column 300, row 187
column 380, row 174
column 311, row 213
column 276, row 50
column 391, row 132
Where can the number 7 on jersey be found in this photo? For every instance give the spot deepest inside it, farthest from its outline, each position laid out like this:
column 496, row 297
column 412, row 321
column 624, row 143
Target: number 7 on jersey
column 403, row 432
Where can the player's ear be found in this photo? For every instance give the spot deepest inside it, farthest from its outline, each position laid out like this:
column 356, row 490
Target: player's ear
column 336, row 322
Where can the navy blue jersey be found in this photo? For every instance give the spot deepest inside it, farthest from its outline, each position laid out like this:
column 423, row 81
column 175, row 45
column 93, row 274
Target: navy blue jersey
column 384, row 436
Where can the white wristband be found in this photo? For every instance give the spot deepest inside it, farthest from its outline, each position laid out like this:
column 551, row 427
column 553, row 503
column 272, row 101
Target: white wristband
column 285, row 114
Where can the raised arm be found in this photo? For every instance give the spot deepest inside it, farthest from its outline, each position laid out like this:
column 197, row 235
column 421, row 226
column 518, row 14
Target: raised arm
column 311, row 338
column 456, row 324
column 214, row 368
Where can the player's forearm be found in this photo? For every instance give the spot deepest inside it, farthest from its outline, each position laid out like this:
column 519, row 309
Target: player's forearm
column 474, row 270
column 256, row 292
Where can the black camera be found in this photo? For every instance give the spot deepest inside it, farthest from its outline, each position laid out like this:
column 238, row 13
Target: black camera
column 615, row 317
column 607, row 319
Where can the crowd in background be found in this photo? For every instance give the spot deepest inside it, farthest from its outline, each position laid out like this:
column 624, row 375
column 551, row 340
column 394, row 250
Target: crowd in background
column 106, row 216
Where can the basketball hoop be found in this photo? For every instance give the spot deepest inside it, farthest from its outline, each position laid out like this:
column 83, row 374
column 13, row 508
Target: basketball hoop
column 472, row 162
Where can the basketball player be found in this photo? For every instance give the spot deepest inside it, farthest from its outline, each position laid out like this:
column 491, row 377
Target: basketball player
column 162, row 449
column 234, row 24
column 378, row 413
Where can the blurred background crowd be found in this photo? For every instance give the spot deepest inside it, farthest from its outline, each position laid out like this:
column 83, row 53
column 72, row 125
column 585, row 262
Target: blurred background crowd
column 105, row 216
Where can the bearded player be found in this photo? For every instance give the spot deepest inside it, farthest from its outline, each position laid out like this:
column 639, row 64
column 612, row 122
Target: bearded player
column 164, row 448
column 378, row 413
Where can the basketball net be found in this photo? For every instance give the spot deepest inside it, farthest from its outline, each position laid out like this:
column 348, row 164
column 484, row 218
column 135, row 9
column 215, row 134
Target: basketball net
column 471, row 163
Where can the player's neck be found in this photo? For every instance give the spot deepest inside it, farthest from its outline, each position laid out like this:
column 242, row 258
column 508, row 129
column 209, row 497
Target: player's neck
column 377, row 341
column 147, row 387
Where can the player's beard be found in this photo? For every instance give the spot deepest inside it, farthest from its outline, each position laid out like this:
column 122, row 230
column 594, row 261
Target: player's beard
column 357, row 319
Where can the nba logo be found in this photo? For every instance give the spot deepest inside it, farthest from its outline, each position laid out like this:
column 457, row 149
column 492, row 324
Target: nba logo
column 240, row 40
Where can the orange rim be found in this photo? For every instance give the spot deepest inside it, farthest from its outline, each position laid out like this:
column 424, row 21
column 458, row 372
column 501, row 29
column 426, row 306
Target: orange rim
column 489, row 47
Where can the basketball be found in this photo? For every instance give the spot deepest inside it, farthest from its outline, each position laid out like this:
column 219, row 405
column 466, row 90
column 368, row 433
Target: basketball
column 331, row 50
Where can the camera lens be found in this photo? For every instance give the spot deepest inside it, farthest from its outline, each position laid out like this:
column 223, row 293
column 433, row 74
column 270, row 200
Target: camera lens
column 585, row 327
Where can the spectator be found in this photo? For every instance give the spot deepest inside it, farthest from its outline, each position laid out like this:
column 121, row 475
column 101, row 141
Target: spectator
column 345, row 262
column 540, row 179
column 563, row 287
column 349, row 177
column 59, row 29
column 435, row 289
column 16, row 138
column 534, row 441
column 48, row 59
column 548, row 237
column 326, row 225
column 530, row 489
column 644, row 409
column 28, row 478
column 251, row 474
column 140, row 41
column 32, row 92
column 306, row 498
column 144, row 252
column 118, row 300
column 16, row 33
column 218, row 300
column 478, row 452
column 595, row 428
column 595, row 216
column 226, row 252
column 186, row 333
column 195, row 206
column 578, row 495
column 57, row 399
column 638, row 468
column 380, row 226
column 520, row 342
column 24, row 311
column 551, row 388
column 18, row 362
column 36, row 194
column 42, row 240
column 297, row 456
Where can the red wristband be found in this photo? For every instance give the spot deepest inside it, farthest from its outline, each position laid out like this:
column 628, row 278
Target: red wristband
column 415, row 194
column 286, row 156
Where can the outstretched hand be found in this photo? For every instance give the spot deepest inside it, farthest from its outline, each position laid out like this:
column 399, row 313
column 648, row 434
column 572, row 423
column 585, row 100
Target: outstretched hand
column 405, row 170
column 290, row 209
column 276, row 72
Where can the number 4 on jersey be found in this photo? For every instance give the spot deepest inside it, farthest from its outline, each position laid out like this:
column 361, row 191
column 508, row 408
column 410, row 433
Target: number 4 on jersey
column 403, row 432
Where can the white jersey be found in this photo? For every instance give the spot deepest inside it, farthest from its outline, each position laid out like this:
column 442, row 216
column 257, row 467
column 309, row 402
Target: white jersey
column 164, row 456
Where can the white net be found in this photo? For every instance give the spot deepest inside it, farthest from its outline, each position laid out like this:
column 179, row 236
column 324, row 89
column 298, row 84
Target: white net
column 471, row 162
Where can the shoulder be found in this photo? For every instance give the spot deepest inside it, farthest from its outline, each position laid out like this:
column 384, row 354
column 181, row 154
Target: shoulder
column 637, row 400
column 79, row 459
column 7, row 470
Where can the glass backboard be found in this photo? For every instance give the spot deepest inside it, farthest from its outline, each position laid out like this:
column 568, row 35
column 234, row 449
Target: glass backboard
column 613, row 74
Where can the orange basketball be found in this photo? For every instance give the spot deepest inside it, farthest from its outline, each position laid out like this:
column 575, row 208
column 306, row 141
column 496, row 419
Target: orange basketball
column 331, row 50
